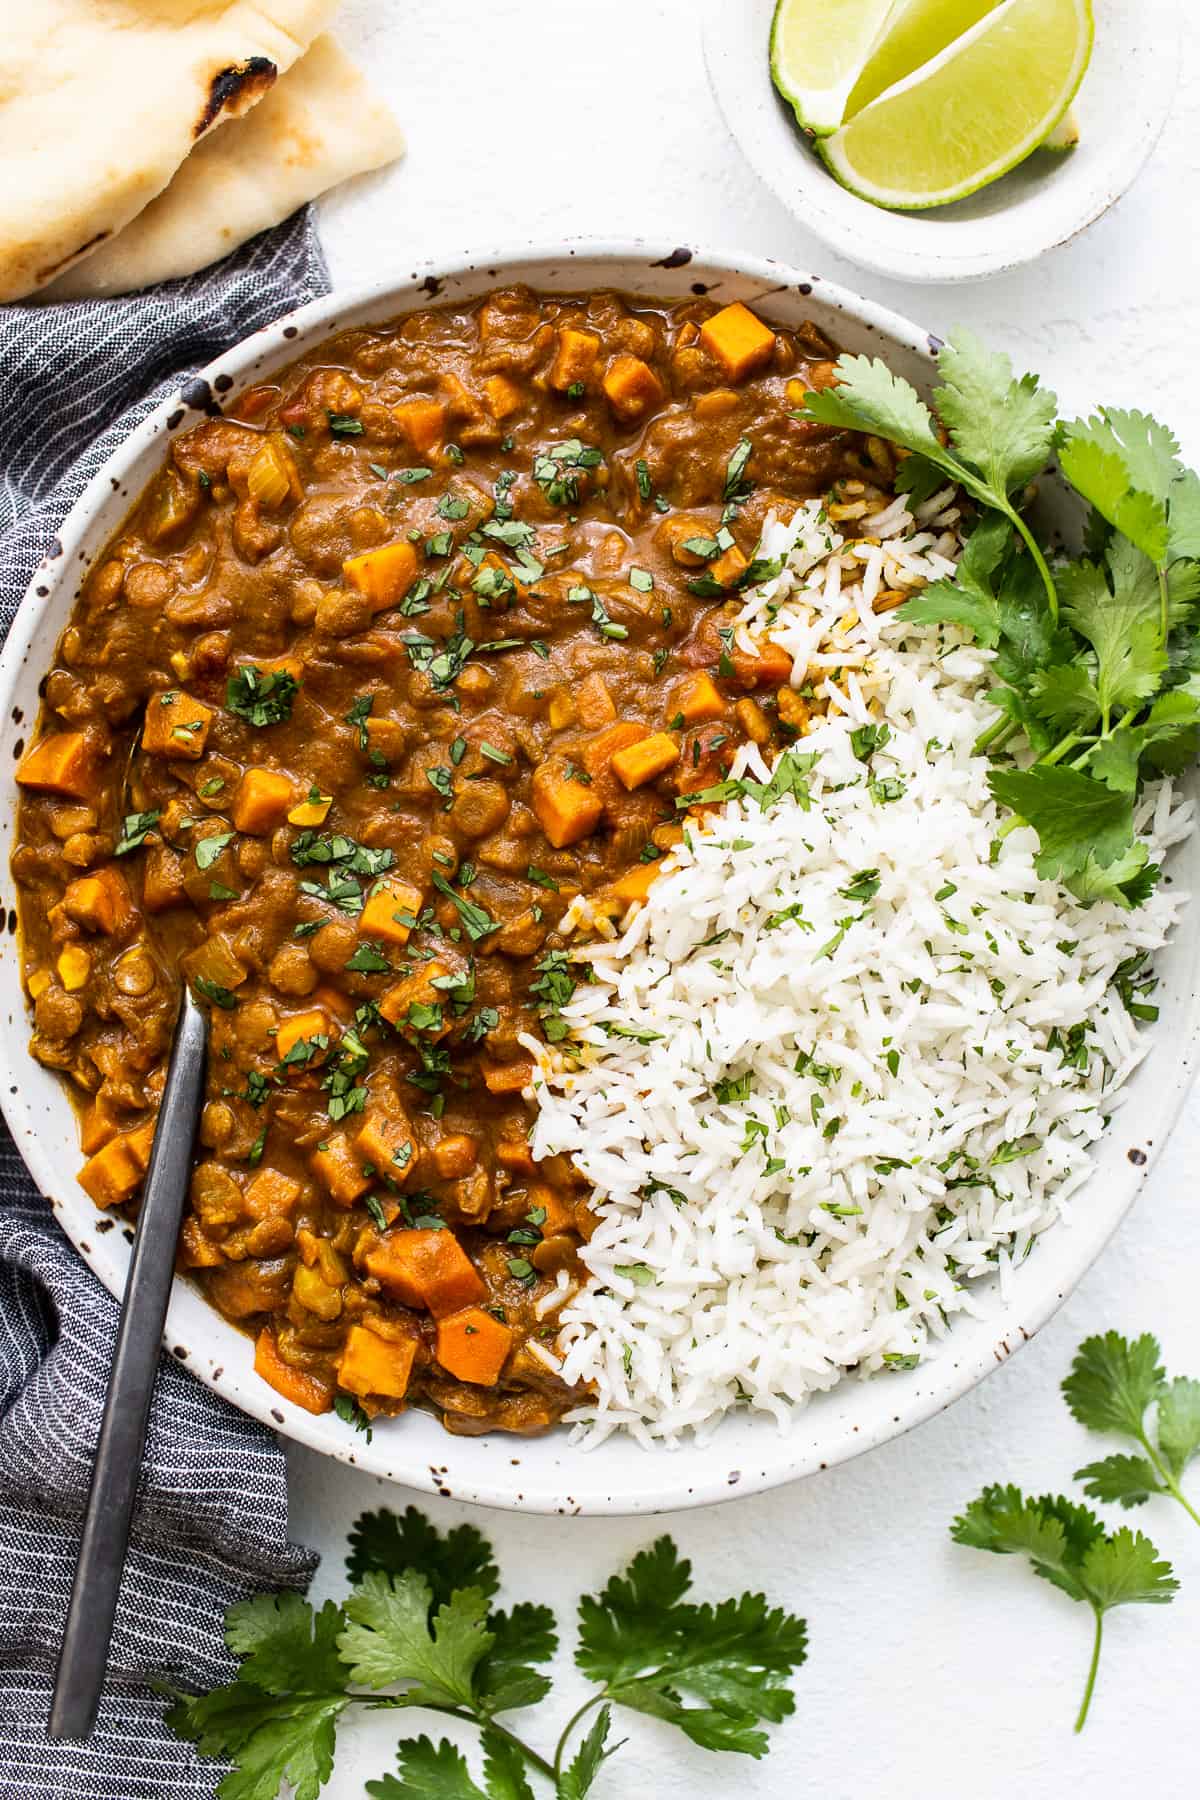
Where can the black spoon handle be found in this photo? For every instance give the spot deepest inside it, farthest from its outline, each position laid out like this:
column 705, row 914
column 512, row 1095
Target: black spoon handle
column 84, row 1653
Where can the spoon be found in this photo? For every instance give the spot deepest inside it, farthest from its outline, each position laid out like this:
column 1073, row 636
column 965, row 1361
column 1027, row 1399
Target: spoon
column 83, row 1656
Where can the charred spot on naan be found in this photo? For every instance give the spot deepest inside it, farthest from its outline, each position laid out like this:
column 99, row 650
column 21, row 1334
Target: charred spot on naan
column 234, row 90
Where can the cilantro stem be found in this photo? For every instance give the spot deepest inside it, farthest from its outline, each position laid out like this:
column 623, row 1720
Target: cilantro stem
column 1000, row 732
column 482, row 1722
column 1043, row 567
column 1165, row 1476
column 1164, row 602
column 1090, row 1689
column 576, row 1717
column 1064, row 748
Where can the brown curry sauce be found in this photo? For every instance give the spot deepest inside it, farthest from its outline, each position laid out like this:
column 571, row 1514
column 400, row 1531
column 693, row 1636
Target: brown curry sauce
column 389, row 664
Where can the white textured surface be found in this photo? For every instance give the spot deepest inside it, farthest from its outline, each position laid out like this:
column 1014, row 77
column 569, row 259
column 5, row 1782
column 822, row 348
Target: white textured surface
column 934, row 1671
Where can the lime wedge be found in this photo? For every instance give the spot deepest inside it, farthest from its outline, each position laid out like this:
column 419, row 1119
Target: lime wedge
column 972, row 113
column 1066, row 134
column 817, row 50
column 914, row 33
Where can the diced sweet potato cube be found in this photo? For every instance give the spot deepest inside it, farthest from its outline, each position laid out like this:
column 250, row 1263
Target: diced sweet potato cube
column 312, row 1392
column 594, row 702
column 599, row 751
column 644, row 761
column 63, row 763
column 74, row 967
column 768, row 667
column 503, row 397
column 559, row 1217
column 562, row 710
column 261, row 801
column 635, row 884
column 387, row 1144
column 473, row 1346
column 727, row 567
column 114, row 1173
column 214, row 961
column 753, row 720
column 162, row 878
column 418, row 990
column 271, row 1194
column 384, row 575
column 508, row 1078
column 423, row 423
column 100, row 902
column 37, row 983
column 514, row 1154
column 196, row 1249
column 314, row 1023
column 97, row 1127
column 574, row 359
column 696, row 699
column 385, row 738
column 337, row 1167
column 566, row 810
column 371, row 1364
column 427, row 1268
column 739, row 340
column 379, row 919
column 632, row 387
column 311, row 812
column 455, row 1155
column 176, row 726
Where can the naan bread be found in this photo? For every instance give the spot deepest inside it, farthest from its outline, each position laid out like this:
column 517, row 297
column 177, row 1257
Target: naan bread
column 319, row 125
column 101, row 100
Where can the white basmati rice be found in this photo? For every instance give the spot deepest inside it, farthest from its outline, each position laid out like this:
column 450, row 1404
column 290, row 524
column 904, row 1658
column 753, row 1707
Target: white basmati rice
column 838, row 1107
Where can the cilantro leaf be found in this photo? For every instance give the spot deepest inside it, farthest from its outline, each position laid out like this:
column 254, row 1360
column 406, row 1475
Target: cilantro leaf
column 1179, row 1424
column 505, row 1678
column 285, row 1645
column 1003, row 426
column 428, row 1771
column 1075, row 818
column 388, row 1543
column 1123, row 623
column 1068, row 1546
column 1127, row 466
column 261, row 697
column 650, row 1647
column 576, row 1780
column 1125, row 1480
column 1113, row 1382
column 390, row 1637
column 1127, row 882
column 504, row 1769
column 969, row 600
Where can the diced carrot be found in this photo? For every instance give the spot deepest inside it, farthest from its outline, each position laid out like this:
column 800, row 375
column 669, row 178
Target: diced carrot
column 739, row 340
column 503, row 396
column 727, row 567
column 100, row 902
column 427, row 1268
column 384, row 575
column 768, row 667
column 311, row 812
column 271, row 1194
column 378, row 918
column 162, row 878
column 599, row 751
column 338, row 1168
column 508, row 1078
column 473, row 1346
column 566, row 810
column 574, row 359
column 644, row 761
column 635, row 884
column 312, row 1392
column 176, row 726
column 314, row 1023
column 63, row 763
column 418, row 990
column 387, row 1144
column 371, row 1364
column 455, row 1155
column 261, row 801
column 632, row 387
column 696, row 699
column 423, row 423
column 594, row 702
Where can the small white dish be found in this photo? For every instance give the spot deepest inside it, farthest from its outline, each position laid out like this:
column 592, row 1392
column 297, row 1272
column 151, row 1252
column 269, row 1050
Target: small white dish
column 747, row 1453
column 1122, row 107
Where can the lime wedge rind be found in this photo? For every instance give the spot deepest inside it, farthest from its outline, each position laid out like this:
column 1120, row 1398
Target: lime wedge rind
column 914, row 99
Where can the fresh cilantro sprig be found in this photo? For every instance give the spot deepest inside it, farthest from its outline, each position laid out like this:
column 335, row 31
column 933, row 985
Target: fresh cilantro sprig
column 1097, row 659
column 1068, row 1546
column 1113, row 1387
column 420, row 1619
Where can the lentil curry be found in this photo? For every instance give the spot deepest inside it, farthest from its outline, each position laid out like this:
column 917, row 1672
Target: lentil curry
column 389, row 664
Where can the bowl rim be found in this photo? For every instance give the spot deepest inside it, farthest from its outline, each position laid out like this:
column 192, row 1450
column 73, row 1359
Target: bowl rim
column 495, row 1479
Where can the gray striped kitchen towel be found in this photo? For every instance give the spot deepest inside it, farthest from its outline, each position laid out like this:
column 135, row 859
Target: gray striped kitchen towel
column 211, row 1523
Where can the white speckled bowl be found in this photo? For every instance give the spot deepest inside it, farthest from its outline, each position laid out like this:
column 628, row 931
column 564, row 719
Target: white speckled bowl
column 545, row 1474
column 1122, row 107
